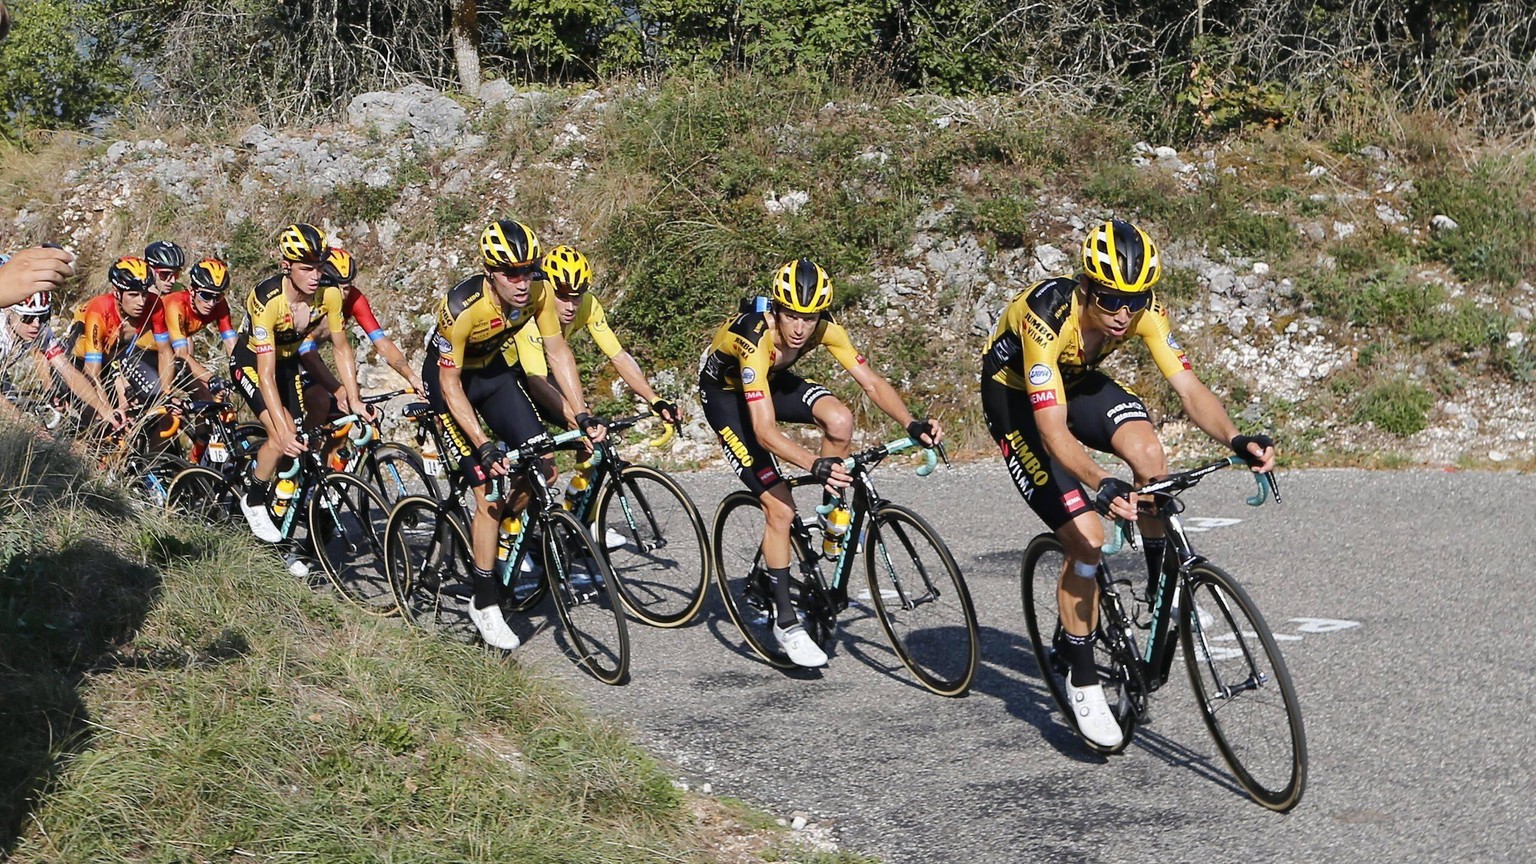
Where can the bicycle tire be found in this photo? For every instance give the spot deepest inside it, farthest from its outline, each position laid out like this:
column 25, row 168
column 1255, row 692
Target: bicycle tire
column 347, row 522
column 582, row 586
column 737, row 547
column 1044, row 561
column 397, row 472
column 1226, row 647
column 922, row 601
column 427, row 550
column 663, row 565
column 203, row 495
column 153, row 479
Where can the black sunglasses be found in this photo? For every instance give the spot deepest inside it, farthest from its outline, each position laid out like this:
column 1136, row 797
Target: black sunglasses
column 1112, row 303
column 519, row 271
column 208, row 296
column 35, row 317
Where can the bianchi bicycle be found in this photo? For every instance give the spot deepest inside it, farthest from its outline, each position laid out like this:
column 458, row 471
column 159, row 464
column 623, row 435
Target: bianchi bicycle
column 1239, row 678
column 915, row 588
column 429, row 561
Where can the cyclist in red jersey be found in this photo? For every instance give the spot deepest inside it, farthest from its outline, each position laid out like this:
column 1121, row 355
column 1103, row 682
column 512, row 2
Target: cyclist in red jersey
column 183, row 314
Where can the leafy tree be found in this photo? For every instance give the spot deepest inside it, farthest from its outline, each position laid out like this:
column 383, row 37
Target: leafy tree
column 64, row 64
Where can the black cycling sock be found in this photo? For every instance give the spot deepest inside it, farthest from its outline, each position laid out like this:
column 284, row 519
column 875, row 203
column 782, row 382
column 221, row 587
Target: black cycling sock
column 778, row 577
column 255, row 492
column 1080, row 656
column 487, row 589
column 1154, row 547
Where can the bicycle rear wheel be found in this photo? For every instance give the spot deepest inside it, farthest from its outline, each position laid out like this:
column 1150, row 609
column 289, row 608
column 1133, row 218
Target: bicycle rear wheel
column 397, row 472
column 1044, row 562
column 427, row 559
column 663, row 564
column 581, row 584
column 202, row 495
column 1243, row 689
column 922, row 601
column 347, row 522
column 743, row 581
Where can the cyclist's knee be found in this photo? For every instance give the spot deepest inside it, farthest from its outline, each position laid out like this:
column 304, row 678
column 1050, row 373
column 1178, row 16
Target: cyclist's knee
column 835, row 420
column 1138, row 445
column 778, row 509
column 1082, row 537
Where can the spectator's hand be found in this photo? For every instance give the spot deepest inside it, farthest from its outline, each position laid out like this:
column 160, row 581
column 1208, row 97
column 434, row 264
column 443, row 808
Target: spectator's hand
column 40, row 268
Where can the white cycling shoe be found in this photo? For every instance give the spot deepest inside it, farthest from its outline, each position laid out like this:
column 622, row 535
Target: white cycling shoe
column 260, row 522
column 493, row 627
column 798, row 644
column 611, row 539
column 1091, row 713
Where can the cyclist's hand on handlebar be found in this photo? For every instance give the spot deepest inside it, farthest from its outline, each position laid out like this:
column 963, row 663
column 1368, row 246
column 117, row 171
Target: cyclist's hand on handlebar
column 592, row 427
column 491, row 457
column 290, row 443
column 927, row 431
column 667, row 411
column 1257, row 450
column 1115, row 498
column 830, row 472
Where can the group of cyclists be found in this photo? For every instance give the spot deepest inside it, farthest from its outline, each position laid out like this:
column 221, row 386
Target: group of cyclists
column 498, row 368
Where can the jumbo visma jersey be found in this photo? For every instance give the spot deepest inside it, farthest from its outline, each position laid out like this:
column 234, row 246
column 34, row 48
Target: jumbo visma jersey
column 742, row 356
column 270, row 326
column 589, row 316
column 474, row 327
column 1038, row 344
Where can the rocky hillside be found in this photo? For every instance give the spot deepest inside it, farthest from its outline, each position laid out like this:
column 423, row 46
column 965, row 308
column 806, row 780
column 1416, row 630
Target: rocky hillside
column 1328, row 298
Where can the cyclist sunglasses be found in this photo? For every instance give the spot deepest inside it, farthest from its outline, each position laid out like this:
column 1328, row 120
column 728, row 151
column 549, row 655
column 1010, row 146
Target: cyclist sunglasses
column 35, row 317
column 166, row 274
column 208, row 296
column 520, row 271
column 1112, row 303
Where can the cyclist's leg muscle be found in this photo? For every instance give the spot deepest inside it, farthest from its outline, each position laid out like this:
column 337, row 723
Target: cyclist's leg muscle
column 726, row 413
column 1047, row 487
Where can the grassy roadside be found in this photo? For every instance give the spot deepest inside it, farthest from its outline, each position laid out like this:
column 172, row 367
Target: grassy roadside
column 169, row 693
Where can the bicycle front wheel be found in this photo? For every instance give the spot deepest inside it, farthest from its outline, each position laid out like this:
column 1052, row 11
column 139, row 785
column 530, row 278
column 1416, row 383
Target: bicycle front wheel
column 1044, row 563
column 738, row 552
column 427, row 559
column 347, row 521
column 1243, row 689
column 656, row 544
column 398, row 473
column 202, row 495
column 581, row 584
column 922, row 601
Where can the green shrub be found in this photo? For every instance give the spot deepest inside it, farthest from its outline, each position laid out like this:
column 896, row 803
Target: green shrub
column 1400, row 407
column 1496, row 238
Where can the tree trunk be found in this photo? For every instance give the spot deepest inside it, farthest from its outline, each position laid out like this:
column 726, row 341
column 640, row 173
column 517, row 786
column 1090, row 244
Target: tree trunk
column 464, row 30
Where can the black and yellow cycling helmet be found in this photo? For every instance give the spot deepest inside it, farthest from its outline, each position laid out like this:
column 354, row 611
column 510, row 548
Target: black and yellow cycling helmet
column 568, row 270
column 209, row 274
column 303, row 243
column 339, row 267
column 802, row 286
column 130, row 273
column 1118, row 256
column 505, row 243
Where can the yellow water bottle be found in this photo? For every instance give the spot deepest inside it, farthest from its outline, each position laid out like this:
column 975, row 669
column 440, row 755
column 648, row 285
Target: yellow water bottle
column 283, row 496
column 832, row 536
column 574, row 490
column 510, row 527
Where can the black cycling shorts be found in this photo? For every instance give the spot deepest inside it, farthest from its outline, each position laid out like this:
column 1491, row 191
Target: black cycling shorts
column 141, row 370
column 726, row 412
column 498, row 393
column 1097, row 405
column 242, row 371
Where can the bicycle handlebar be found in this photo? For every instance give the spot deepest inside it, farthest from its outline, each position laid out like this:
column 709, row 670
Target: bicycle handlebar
column 890, row 448
column 385, row 397
column 1185, row 480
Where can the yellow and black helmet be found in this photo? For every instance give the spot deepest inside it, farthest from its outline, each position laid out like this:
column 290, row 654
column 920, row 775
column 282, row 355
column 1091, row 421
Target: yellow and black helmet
column 506, row 243
column 1118, row 256
column 567, row 269
column 209, row 274
column 130, row 273
column 339, row 267
column 802, row 286
column 303, row 243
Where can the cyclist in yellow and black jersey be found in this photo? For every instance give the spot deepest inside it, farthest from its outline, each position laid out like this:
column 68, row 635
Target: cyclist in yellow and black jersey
column 570, row 275
column 280, row 313
column 747, row 388
column 472, row 373
column 1045, row 399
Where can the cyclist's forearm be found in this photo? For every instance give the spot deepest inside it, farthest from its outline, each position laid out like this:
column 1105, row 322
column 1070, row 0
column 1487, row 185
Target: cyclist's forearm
column 563, row 362
column 166, row 362
column 394, row 357
column 780, row 445
column 459, row 409
column 346, row 367
column 888, row 400
column 630, row 372
column 1206, row 411
column 314, row 364
column 82, row 387
column 198, row 370
column 547, row 394
column 1063, row 447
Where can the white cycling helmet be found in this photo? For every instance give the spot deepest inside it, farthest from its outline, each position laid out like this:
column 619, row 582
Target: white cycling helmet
column 36, row 303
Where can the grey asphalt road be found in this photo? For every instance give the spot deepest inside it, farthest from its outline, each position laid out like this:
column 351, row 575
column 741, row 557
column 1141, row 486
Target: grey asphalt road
column 1392, row 592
